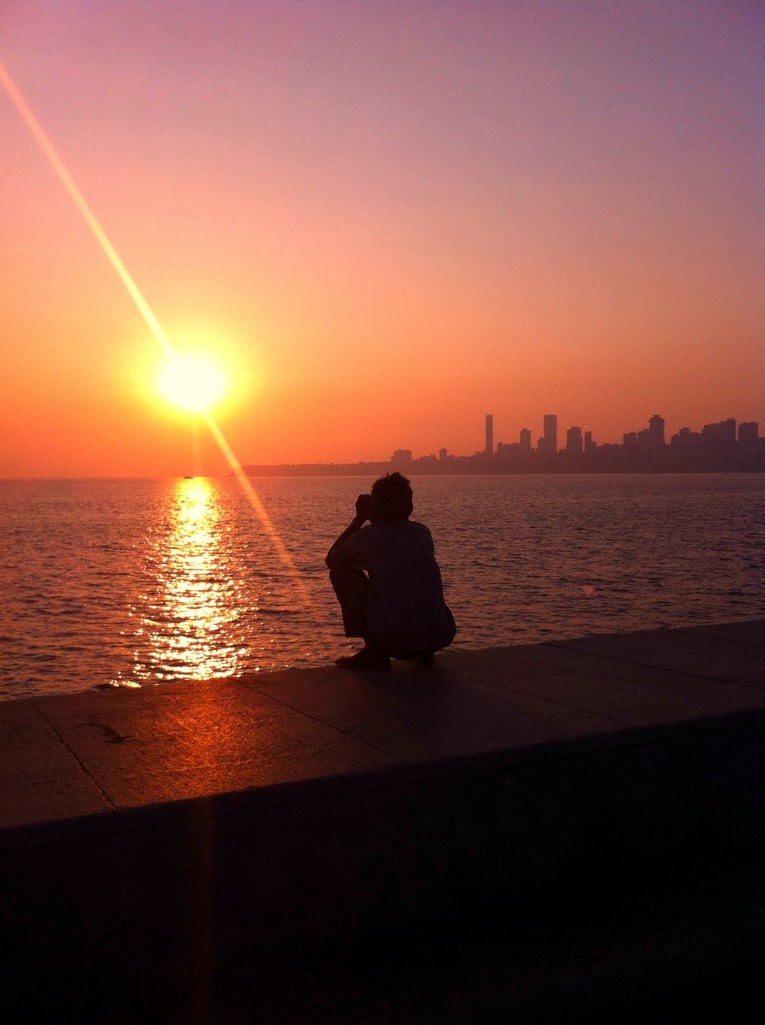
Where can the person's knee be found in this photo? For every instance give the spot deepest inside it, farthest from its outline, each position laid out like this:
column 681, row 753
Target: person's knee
column 343, row 580
column 347, row 576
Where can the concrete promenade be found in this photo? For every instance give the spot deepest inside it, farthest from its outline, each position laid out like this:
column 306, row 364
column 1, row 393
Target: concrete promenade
column 278, row 847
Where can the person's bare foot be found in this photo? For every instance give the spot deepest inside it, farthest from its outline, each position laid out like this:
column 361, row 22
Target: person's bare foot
column 366, row 658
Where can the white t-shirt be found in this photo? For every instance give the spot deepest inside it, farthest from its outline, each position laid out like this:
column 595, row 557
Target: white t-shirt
column 406, row 608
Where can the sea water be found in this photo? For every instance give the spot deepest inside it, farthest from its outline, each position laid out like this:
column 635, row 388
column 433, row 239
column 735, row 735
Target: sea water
column 133, row 582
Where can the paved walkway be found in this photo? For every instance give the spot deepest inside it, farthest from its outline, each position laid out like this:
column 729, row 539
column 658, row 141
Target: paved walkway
column 149, row 837
column 76, row 755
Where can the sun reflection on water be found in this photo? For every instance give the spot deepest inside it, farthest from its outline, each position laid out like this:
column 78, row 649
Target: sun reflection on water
column 189, row 618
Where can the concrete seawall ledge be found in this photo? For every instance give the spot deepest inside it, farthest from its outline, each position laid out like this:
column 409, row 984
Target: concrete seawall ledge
column 156, row 844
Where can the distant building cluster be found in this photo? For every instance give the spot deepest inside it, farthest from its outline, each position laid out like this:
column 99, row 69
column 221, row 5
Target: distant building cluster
column 724, row 446
column 716, row 448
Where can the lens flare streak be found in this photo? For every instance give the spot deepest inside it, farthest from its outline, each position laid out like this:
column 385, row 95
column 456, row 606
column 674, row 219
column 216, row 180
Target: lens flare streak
column 80, row 202
column 252, row 496
column 51, row 154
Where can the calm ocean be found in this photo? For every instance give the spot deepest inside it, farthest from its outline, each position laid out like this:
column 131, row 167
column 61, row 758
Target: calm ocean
column 134, row 582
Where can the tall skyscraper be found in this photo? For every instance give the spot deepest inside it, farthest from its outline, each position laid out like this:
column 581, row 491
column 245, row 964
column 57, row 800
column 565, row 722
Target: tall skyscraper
column 551, row 433
column 489, row 450
column 574, row 444
column 525, row 439
column 720, row 434
column 656, row 429
column 748, row 433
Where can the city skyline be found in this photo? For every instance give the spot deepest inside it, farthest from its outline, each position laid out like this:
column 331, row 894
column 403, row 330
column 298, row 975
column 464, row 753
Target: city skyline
column 653, row 435
column 579, row 440
column 719, row 446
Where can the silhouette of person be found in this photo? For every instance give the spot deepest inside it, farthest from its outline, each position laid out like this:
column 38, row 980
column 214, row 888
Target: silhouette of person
column 387, row 580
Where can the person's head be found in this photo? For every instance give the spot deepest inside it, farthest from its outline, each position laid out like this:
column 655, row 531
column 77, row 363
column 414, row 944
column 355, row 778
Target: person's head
column 392, row 498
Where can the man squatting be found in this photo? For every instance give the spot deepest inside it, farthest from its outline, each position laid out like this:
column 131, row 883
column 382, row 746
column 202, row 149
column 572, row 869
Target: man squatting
column 387, row 580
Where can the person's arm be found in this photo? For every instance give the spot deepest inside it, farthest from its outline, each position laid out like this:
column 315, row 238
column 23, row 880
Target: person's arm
column 363, row 513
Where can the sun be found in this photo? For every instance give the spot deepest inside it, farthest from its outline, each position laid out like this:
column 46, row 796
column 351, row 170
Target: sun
column 192, row 382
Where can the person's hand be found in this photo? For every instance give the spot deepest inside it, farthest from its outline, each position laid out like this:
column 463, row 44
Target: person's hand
column 364, row 508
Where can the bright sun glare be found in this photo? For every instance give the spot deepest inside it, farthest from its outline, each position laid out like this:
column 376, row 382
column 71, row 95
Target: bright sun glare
column 192, row 382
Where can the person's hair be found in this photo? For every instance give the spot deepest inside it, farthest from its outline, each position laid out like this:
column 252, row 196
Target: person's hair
column 392, row 497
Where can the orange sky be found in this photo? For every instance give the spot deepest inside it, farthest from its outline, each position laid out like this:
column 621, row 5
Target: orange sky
column 385, row 219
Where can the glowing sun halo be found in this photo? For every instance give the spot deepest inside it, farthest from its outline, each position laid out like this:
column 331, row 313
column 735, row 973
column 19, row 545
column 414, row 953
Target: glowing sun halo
column 192, row 382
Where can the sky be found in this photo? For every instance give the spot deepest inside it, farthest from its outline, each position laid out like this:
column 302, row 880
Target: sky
column 382, row 220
